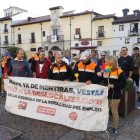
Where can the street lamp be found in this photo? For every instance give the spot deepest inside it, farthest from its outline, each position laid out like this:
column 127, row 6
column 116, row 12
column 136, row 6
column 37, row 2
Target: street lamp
column 70, row 34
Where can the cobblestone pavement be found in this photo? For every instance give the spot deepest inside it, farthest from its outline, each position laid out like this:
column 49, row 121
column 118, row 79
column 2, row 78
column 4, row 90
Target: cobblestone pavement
column 14, row 127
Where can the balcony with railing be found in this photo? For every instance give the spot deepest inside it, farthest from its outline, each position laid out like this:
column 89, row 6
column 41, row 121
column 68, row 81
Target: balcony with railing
column 32, row 40
column 55, row 38
column 5, row 30
column 134, row 32
column 100, row 34
column 77, row 36
column 19, row 42
column 6, row 42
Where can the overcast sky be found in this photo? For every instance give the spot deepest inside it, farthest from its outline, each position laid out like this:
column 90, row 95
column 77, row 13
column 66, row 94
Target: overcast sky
column 41, row 7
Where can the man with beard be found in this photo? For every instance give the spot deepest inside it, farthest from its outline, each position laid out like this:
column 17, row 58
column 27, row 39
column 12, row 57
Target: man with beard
column 19, row 66
column 93, row 57
column 126, row 63
column 60, row 70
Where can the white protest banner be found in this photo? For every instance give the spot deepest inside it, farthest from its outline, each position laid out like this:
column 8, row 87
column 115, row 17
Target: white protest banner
column 77, row 105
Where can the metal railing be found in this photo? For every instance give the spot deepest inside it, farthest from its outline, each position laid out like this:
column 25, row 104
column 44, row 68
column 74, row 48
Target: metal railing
column 32, row 40
column 134, row 33
column 6, row 42
column 59, row 38
column 5, row 30
column 19, row 42
column 101, row 34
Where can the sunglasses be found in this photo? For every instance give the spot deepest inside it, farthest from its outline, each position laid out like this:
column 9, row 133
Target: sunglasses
column 75, row 58
column 102, row 55
column 42, row 54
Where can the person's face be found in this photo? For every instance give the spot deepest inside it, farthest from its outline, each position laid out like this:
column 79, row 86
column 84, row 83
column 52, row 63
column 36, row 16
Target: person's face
column 49, row 54
column 124, row 51
column 54, row 52
column 97, row 55
column 40, row 51
column 7, row 57
column 41, row 55
column 58, row 58
column 76, row 59
column 79, row 56
column 103, row 56
column 64, row 54
column 59, row 52
column 84, row 61
column 20, row 55
column 93, row 53
column 136, row 52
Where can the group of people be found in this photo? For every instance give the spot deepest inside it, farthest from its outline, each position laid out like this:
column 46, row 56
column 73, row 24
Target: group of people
column 58, row 66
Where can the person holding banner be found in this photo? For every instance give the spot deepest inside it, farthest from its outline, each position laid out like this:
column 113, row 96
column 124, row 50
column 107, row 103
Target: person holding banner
column 60, row 70
column 19, row 66
column 86, row 69
column 114, row 78
column 42, row 66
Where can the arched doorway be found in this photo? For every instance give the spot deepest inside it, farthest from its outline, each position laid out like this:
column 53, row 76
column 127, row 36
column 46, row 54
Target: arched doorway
column 54, row 48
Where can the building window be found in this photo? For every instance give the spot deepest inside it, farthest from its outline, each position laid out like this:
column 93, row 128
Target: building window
column 33, row 49
column 5, row 26
column 19, row 38
column 6, row 40
column 55, row 32
column 99, row 43
column 115, row 53
column 11, row 13
column 138, row 40
column 134, row 27
column 127, row 40
column 101, row 31
column 77, row 31
column 136, row 13
column 32, row 37
column 121, row 28
column 6, row 15
column 43, row 33
column 76, row 44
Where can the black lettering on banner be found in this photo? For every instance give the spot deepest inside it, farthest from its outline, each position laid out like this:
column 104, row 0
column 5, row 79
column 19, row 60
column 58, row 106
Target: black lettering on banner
column 77, row 107
column 38, row 100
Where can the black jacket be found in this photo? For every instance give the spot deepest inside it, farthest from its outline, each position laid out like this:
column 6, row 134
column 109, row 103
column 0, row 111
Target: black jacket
column 99, row 62
column 64, row 72
column 86, row 71
column 116, row 78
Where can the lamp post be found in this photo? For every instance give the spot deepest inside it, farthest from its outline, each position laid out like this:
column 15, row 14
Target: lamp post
column 41, row 34
column 70, row 34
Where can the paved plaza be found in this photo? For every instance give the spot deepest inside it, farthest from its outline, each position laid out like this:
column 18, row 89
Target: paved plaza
column 14, row 127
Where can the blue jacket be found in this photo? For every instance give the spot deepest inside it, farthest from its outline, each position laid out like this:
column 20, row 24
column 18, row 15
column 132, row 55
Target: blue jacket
column 19, row 68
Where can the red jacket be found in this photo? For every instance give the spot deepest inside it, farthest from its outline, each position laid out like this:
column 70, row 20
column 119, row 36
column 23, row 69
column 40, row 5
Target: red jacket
column 45, row 69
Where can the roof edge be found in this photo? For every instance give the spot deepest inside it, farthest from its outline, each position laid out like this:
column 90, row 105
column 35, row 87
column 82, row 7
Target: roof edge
column 30, row 23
